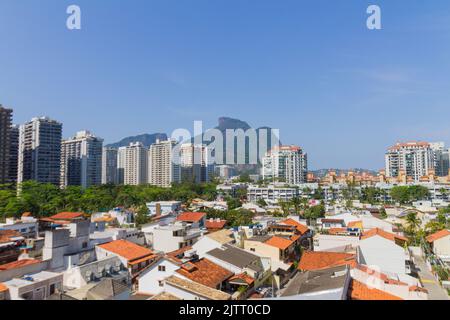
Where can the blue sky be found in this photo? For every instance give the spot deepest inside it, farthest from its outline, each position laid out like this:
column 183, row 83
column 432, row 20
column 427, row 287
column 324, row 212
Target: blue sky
column 310, row 68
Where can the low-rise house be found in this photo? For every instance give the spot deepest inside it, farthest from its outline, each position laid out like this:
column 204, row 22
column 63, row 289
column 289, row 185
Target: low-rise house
column 122, row 216
column 4, row 292
column 440, row 244
column 316, row 260
column 168, row 238
column 134, row 257
column 189, row 290
column 151, row 280
column 325, row 284
column 215, row 224
column 109, row 289
column 240, row 261
column 163, row 208
column 212, row 241
column 27, row 226
column 109, row 267
column 111, row 234
column 10, row 243
column 37, row 286
column 193, row 219
column 335, row 242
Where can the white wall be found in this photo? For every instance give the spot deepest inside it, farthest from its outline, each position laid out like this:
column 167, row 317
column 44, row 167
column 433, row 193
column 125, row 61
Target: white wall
column 148, row 281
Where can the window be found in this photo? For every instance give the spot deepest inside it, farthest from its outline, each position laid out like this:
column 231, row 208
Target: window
column 161, row 283
column 52, row 289
column 252, row 249
column 84, row 245
column 162, row 268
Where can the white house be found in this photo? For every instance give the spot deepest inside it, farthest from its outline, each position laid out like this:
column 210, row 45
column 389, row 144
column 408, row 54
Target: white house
column 163, row 208
column 151, row 280
column 440, row 243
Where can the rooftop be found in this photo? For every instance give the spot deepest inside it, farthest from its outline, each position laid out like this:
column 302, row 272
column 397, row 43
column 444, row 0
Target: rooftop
column 106, row 289
column 215, row 224
column 222, row 236
column 18, row 264
column 300, row 227
column 380, row 232
column 438, row 235
column 279, row 242
column 317, row 260
column 197, row 288
column 205, row 272
column 359, row 291
column 236, row 257
column 127, row 250
column 191, row 216
column 67, row 216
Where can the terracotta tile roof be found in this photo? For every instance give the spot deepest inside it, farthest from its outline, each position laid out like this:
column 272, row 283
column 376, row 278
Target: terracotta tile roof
column 191, row 216
column 18, row 264
column 128, row 250
column 317, row 260
column 438, row 235
column 215, row 224
column 206, row 273
column 300, row 227
column 279, row 242
column 355, row 224
column 67, row 216
column 174, row 255
column 3, row 288
column 243, row 277
column 418, row 289
column 359, row 291
column 382, row 233
column 334, row 231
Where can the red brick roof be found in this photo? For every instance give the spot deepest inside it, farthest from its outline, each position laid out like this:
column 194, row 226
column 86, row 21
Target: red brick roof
column 67, row 216
column 18, row 264
column 191, row 216
column 317, row 260
column 382, row 233
column 300, row 227
column 438, row 235
column 205, row 272
column 279, row 242
column 215, row 224
column 174, row 254
column 359, row 291
column 128, row 250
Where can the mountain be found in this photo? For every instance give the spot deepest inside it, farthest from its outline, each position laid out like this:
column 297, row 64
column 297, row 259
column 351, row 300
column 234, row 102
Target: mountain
column 146, row 139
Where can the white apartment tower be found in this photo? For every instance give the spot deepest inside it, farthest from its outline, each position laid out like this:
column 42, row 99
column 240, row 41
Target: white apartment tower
column 415, row 159
column 109, row 166
column 286, row 164
column 194, row 163
column 164, row 168
column 134, row 160
column 40, row 151
column 81, row 160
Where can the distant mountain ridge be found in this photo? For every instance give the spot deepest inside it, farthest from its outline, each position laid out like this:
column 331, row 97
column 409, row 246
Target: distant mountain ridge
column 147, row 139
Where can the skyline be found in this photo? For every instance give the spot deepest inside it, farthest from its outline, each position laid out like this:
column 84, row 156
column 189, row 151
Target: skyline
column 206, row 60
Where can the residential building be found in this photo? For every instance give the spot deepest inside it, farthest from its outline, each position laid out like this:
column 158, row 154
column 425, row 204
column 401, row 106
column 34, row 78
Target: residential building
column 13, row 153
column 194, row 163
column 81, row 160
column 40, row 151
column 212, row 241
column 411, row 159
column 109, row 166
column 136, row 164
column 5, row 143
column 163, row 164
column 285, row 164
column 440, row 244
column 168, row 238
column 36, row 286
column 163, row 208
column 193, row 219
column 271, row 193
column 189, row 290
column 121, row 161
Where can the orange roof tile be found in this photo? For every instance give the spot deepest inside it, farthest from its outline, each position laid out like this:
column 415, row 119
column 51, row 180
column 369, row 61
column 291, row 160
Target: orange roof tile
column 438, row 235
column 281, row 243
column 18, row 264
column 191, row 216
column 300, row 227
column 244, row 277
column 215, row 224
column 3, row 288
column 355, row 224
column 67, row 216
column 334, row 231
column 359, row 291
column 174, row 254
column 317, row 260
column 382, row 233
column 206, row 272
column 6, row 235
column 128, row 250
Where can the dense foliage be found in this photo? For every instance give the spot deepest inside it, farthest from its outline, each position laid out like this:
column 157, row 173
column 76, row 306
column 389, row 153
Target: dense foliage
column 46, row 199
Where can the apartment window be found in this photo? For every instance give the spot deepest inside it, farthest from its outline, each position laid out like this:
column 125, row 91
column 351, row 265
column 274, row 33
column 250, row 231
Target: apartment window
column 84, row 245
column 162, row 268
column 52, row 288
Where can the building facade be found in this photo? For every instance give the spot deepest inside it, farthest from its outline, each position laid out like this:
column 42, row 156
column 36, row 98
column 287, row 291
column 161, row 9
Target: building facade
column 5, row 133
column 109, row 166
column 164, row 168
column 40, row 151
column 13, row 153
column 286, row 164
column 81, row 160
column 135, row 164
column 194, row 163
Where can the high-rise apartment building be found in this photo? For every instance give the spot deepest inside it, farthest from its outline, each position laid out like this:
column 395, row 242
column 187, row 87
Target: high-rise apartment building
column 81, row 160
column 40, row 151
column 135, row 164
column 440, row 158
column 164, row 168
column 109, row 166
column 5, row 133
column 13, row 153
column 194, row 163
column 285, row 164
column 414, row 159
